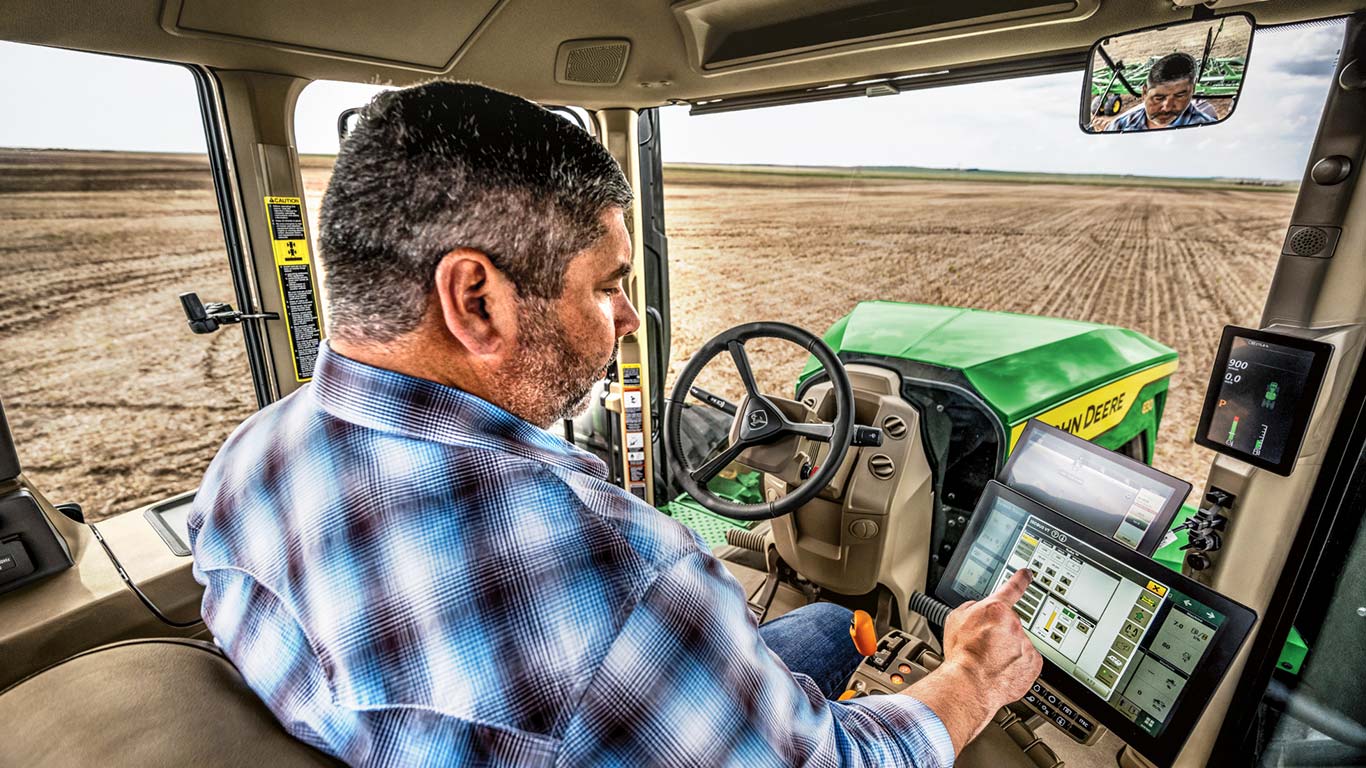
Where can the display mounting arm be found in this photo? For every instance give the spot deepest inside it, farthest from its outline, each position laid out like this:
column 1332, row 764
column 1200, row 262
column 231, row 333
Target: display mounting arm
column 206, row 318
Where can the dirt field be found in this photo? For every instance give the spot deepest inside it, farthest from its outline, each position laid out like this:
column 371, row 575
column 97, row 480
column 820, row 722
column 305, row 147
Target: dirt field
column 115, row 404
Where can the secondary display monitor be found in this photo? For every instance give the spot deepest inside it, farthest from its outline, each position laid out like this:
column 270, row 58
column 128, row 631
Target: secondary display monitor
column 1137, row 646
column 1106, row 491
column 1261, row 394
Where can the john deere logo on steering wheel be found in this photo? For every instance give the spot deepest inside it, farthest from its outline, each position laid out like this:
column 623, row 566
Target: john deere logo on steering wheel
column 758, row 419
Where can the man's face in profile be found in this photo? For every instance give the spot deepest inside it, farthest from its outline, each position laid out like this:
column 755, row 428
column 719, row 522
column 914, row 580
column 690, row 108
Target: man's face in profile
column 566, row 344
column 1165, row 102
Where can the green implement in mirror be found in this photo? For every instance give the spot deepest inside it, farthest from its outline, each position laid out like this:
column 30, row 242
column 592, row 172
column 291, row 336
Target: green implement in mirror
column 1174, row 76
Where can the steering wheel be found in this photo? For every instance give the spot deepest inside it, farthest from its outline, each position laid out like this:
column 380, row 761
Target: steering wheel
column 758, row 421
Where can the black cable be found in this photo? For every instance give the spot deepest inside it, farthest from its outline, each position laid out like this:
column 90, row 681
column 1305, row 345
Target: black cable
column 131, row 585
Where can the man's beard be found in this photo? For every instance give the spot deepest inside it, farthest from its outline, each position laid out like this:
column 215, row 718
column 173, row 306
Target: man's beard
column 547, row 379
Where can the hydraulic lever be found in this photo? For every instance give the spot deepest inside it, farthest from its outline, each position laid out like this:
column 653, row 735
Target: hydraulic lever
column 1206, row 528
column 206, row 318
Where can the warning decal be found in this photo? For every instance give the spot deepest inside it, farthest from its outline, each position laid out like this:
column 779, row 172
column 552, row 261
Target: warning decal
column 289, row 242
column 633, row 405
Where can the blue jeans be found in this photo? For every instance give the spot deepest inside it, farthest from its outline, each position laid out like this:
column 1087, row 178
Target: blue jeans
column 814, row 640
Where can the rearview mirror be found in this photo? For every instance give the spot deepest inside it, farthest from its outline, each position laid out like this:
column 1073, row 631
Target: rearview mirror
column 1175, row 76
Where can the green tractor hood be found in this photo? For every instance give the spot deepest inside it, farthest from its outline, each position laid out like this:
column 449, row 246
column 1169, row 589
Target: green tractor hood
column 1023, row 366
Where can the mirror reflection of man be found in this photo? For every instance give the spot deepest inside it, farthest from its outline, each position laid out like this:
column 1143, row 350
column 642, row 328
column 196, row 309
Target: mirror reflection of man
column 409, row 571
column 1168, row 98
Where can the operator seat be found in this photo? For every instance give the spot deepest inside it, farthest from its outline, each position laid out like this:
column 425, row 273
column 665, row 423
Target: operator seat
column 145, row 702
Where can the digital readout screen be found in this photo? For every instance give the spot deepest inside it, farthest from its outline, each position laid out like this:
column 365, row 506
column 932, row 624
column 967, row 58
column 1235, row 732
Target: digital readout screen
column 1255, row 410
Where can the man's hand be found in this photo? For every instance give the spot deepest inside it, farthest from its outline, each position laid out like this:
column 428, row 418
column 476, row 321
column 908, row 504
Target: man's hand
column 988, row 663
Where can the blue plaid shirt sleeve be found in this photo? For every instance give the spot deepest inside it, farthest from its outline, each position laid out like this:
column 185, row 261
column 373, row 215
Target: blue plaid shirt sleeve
column 407, row 575
column 689, row 682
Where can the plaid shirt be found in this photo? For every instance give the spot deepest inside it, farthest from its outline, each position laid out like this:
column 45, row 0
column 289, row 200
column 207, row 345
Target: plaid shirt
column 1136, row 119
column 409, row 575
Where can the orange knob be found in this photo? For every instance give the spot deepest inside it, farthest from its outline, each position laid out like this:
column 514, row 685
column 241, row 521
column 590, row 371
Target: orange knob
column 863, row 634
column 847, row 695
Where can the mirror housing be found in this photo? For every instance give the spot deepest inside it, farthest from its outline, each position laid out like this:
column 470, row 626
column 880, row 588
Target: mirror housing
column 1179, row 75
column 346, row 121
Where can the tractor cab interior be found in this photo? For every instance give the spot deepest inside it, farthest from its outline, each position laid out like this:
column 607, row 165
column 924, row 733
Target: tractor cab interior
column 921, row 454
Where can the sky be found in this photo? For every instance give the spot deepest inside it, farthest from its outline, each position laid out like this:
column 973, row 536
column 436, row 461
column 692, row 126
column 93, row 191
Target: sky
column 1027, row 124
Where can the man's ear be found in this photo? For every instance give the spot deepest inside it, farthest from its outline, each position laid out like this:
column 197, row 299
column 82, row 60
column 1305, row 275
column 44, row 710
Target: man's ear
column 477, row 302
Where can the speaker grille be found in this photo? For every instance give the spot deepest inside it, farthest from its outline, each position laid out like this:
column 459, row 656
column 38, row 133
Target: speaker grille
column 597, row 62
column 1317, row 242
column 1308, row 241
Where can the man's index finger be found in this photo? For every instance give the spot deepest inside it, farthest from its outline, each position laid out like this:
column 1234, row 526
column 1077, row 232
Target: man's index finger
column 1014, row 587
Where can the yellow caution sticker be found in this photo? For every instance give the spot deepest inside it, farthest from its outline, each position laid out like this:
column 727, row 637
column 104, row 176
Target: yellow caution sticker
column 1100, row 409
column 289, row 242
column 633, row 416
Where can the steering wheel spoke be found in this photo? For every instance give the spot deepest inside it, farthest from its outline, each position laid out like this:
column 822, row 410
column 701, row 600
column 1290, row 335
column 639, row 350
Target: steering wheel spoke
column 737, row 354
column 713, row 466
column 820, row 431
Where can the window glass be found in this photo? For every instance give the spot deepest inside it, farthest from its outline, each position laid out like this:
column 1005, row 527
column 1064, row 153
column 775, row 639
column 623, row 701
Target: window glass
column 1314, row 711
column 988, row 196
column 109, row 213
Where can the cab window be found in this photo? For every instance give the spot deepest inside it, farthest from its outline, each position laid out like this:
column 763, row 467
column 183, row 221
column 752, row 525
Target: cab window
column 987, row 196
column 109, row 214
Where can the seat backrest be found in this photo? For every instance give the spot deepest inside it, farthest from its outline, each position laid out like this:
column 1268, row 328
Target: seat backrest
column 140, row 703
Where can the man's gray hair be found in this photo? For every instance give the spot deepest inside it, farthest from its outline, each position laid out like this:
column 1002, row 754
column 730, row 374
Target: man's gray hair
column 447, row 165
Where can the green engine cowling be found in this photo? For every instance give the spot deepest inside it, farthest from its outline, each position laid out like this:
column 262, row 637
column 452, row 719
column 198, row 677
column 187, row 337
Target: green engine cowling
column 976, row 377
column 1100, row 382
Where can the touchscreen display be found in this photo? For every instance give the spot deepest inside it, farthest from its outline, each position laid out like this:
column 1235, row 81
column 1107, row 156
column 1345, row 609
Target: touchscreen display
column 1255, row 410
column 1131, row 640
column 1100, row 489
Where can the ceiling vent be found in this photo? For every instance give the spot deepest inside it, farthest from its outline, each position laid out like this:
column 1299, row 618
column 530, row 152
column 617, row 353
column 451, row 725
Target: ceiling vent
column 591, row 62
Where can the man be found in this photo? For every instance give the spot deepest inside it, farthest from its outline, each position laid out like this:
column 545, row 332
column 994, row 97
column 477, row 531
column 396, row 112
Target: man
column 1168, row 98
column 409, row 571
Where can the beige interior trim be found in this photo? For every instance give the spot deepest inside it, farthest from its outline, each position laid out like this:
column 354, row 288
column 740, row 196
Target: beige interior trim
column 515, row 48
column 1271, row 508
column 292, row 16
column 262, row 148
column 88, row 604
column 619, row 130
column 708, row 24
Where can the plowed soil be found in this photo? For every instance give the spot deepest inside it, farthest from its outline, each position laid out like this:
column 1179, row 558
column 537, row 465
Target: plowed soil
column 115, row 404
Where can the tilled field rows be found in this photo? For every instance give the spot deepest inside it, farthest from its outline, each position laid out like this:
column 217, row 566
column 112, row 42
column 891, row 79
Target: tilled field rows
column 114, row 403
column 1174, row 264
